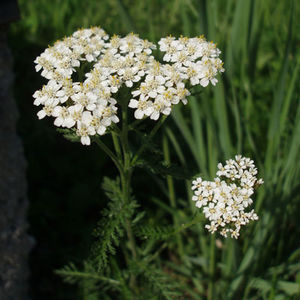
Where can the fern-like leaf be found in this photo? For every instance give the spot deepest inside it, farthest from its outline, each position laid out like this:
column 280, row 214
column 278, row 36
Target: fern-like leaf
column 110, row 229
column 161, row 283
column 71, row 274
column 159, row 167
column 69, row 134
column 154, row 232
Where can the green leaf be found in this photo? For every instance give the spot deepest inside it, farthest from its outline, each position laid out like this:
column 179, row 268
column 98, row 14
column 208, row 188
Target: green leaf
column 247, row 260
column 72, row 275
column 155, row 165
column 112, row 189
column 111, row 227
column 290, row 288
column 154, row 232
column 261, row 284
column 161, row 283
column 69, row 134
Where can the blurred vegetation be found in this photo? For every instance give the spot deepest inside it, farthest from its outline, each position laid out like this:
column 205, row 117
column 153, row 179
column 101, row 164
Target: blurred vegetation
column 254, row 110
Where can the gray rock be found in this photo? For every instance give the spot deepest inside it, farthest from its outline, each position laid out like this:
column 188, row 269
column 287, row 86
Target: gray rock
column 15, row 243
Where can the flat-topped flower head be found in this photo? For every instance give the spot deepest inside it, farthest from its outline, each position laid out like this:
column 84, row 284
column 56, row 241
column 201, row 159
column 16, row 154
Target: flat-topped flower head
column 225, row 199
column 114, row 63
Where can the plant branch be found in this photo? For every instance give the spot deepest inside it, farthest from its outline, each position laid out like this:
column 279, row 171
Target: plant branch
column 113, row 157
column 187, row 225
column 151, row 135
column 117, row 145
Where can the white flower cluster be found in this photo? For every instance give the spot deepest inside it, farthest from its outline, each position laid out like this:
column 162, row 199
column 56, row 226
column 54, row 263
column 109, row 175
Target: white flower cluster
column 89, row 107
column 225, row 199
column 194, row 58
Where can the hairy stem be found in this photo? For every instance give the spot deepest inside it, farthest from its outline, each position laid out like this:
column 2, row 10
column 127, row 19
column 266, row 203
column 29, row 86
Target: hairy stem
column 126, row 182
column 127, row 172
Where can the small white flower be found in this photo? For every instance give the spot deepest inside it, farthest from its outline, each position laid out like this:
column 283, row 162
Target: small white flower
column 212, row 227
column 84, row 128
column 160, row 106
column 67, row 91
column 107, row 114
column 86, row 100
column 62, row 116
column 75, row 113
column 144, row 107
column 197, row 183
column 48, row 108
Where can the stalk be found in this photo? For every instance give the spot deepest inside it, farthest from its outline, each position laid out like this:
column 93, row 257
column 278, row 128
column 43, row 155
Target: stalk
column 126, row 182
column 126, row 177
column 125, row 165
column 125, row 174
column 116, row 145
column 212, row 254
column 113, row 157
column 172, row 195
column 122, row 161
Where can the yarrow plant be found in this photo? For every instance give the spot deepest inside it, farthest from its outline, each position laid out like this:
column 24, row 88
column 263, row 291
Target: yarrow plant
column 93, row 80
column 225, row 199
column 90, row 106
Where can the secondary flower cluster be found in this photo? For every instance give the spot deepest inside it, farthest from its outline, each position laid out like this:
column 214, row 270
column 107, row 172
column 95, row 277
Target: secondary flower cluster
column 89, row 105
column 225, row 199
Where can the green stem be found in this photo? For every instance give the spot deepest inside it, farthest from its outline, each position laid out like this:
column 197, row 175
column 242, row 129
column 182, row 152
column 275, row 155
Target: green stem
column 131, row 239
column 194, row 221
column 172, row 196
column 134, row 124
column 125, row 167
column 117, row 145
column 124, row 137
column 211, row 268
column 126, row 182
column 113, row 157
column 156, row 254
column 150, row 136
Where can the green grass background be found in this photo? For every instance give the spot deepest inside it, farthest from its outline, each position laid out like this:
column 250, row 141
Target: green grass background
column 254, row 110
